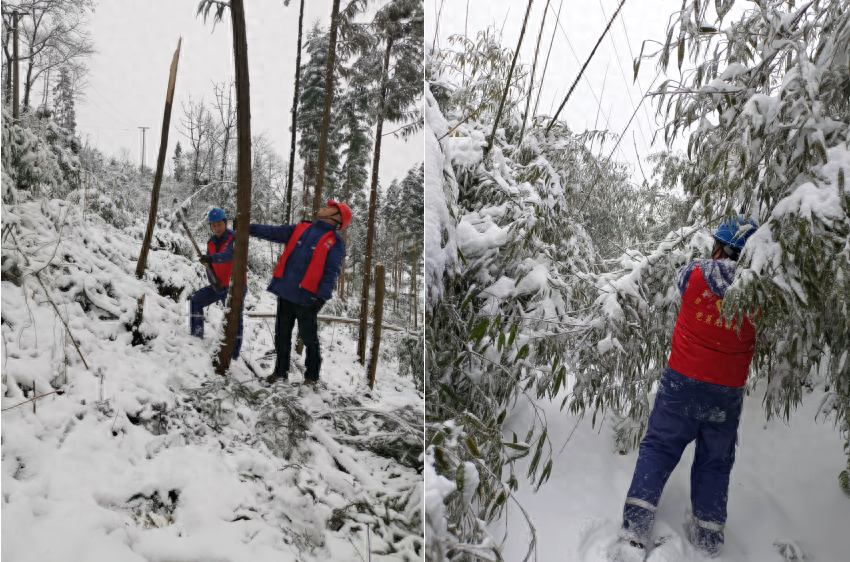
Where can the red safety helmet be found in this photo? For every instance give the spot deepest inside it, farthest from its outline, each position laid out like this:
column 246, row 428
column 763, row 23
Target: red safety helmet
column 344, row 212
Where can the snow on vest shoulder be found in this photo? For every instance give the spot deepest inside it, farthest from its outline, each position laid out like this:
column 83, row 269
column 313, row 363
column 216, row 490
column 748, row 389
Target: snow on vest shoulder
column 316, row 269
column 706, row 346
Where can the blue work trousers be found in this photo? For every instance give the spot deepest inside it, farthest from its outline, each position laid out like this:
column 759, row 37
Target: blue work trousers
column 202, row 299
column 686, row 410
column 308, row 328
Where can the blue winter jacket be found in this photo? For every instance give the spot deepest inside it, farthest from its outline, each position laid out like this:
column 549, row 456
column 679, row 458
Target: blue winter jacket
column 296, row 267
column 222, row 256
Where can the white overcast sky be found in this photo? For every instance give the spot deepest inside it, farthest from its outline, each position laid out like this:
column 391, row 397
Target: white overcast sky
column 582, row 23
column 128, row 77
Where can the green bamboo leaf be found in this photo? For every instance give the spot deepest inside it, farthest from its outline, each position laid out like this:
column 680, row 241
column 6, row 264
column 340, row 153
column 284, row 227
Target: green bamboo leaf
column 473, row 448
column 681, row 52
column 523, row 351
column 512, row 336
column 501, row 417
column 479, row 331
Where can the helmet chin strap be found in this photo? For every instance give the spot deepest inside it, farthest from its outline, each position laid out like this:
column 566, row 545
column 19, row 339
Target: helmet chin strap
column 331, row 217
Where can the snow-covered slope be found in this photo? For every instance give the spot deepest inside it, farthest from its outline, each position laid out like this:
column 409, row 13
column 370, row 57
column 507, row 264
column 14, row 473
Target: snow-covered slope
column 148, row 455
column 784, row 498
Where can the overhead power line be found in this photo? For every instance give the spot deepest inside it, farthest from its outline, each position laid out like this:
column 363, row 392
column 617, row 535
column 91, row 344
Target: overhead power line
column 623, row 74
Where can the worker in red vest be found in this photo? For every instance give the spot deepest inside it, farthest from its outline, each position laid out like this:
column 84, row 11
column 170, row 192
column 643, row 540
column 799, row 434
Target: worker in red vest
column 700, row 397
column 303, row 281
column 220, row 257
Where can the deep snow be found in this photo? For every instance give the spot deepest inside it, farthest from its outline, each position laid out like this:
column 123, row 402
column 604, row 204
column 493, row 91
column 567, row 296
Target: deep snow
column 784, row 491
column 148, row 455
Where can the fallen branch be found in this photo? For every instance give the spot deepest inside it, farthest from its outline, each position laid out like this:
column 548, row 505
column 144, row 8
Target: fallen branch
column 405, row 425
column 33, row 399
column 328, row 319
column 73, row 341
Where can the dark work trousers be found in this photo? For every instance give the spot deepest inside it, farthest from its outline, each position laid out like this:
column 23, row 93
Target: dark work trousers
column 686, row 410
column 308, row 329
column 202, row 299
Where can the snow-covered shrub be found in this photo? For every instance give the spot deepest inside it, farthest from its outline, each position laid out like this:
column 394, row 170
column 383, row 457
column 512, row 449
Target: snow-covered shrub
column 510, row 262
column 39, row 157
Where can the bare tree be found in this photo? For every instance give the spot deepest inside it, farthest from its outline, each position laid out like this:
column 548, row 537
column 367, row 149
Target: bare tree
column 223, row 104
column 53, row 33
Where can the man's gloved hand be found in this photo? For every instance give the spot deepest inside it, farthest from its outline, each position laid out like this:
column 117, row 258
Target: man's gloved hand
column 317, row 305
column 206, row 260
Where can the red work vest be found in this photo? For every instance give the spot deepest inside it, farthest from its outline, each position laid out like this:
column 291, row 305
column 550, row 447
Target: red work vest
column 705, row 346
column 222, row 270
column 317, row 262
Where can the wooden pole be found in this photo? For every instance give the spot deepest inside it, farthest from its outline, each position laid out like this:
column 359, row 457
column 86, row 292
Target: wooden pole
column 160, row 164
column 379, row 316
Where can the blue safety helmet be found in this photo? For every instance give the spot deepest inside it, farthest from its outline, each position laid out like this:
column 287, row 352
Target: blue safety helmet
column 217, row 215
column 732, row 236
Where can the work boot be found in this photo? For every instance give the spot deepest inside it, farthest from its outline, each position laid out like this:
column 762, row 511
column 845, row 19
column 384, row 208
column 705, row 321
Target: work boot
column 273, row 378
column 311, row 383
column 707, row 542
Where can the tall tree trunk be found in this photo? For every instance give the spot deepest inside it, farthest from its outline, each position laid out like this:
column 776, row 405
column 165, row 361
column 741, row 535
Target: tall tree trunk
column 160, row 164
column 373, row 196
column 379, row 318
column 16, row 89
column 288, row 215
column 326, row 117
column 415, row 301
column 533, row 69
column 243, row 187
column 345, row 236
column 508, row 81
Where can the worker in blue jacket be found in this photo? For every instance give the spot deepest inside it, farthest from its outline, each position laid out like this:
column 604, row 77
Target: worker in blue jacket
column 303, row 281
column 220, row 258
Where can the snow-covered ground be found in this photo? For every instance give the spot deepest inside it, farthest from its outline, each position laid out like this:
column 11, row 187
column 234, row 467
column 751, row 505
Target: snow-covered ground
column 148, row 455
column 784, row 493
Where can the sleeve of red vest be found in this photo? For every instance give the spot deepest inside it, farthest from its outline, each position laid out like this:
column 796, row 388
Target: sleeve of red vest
column 277, row 234
column 333, row 267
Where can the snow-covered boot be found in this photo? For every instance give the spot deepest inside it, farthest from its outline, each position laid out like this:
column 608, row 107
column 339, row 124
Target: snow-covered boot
column 706, row 541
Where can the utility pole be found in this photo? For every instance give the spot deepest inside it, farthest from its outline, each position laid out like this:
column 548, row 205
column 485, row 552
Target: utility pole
column 16, row 107
column 142, row 165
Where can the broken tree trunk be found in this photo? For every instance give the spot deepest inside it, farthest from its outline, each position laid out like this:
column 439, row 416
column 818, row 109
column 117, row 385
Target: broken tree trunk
column 379, row 316
column 236, row 294
column 160, row 164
